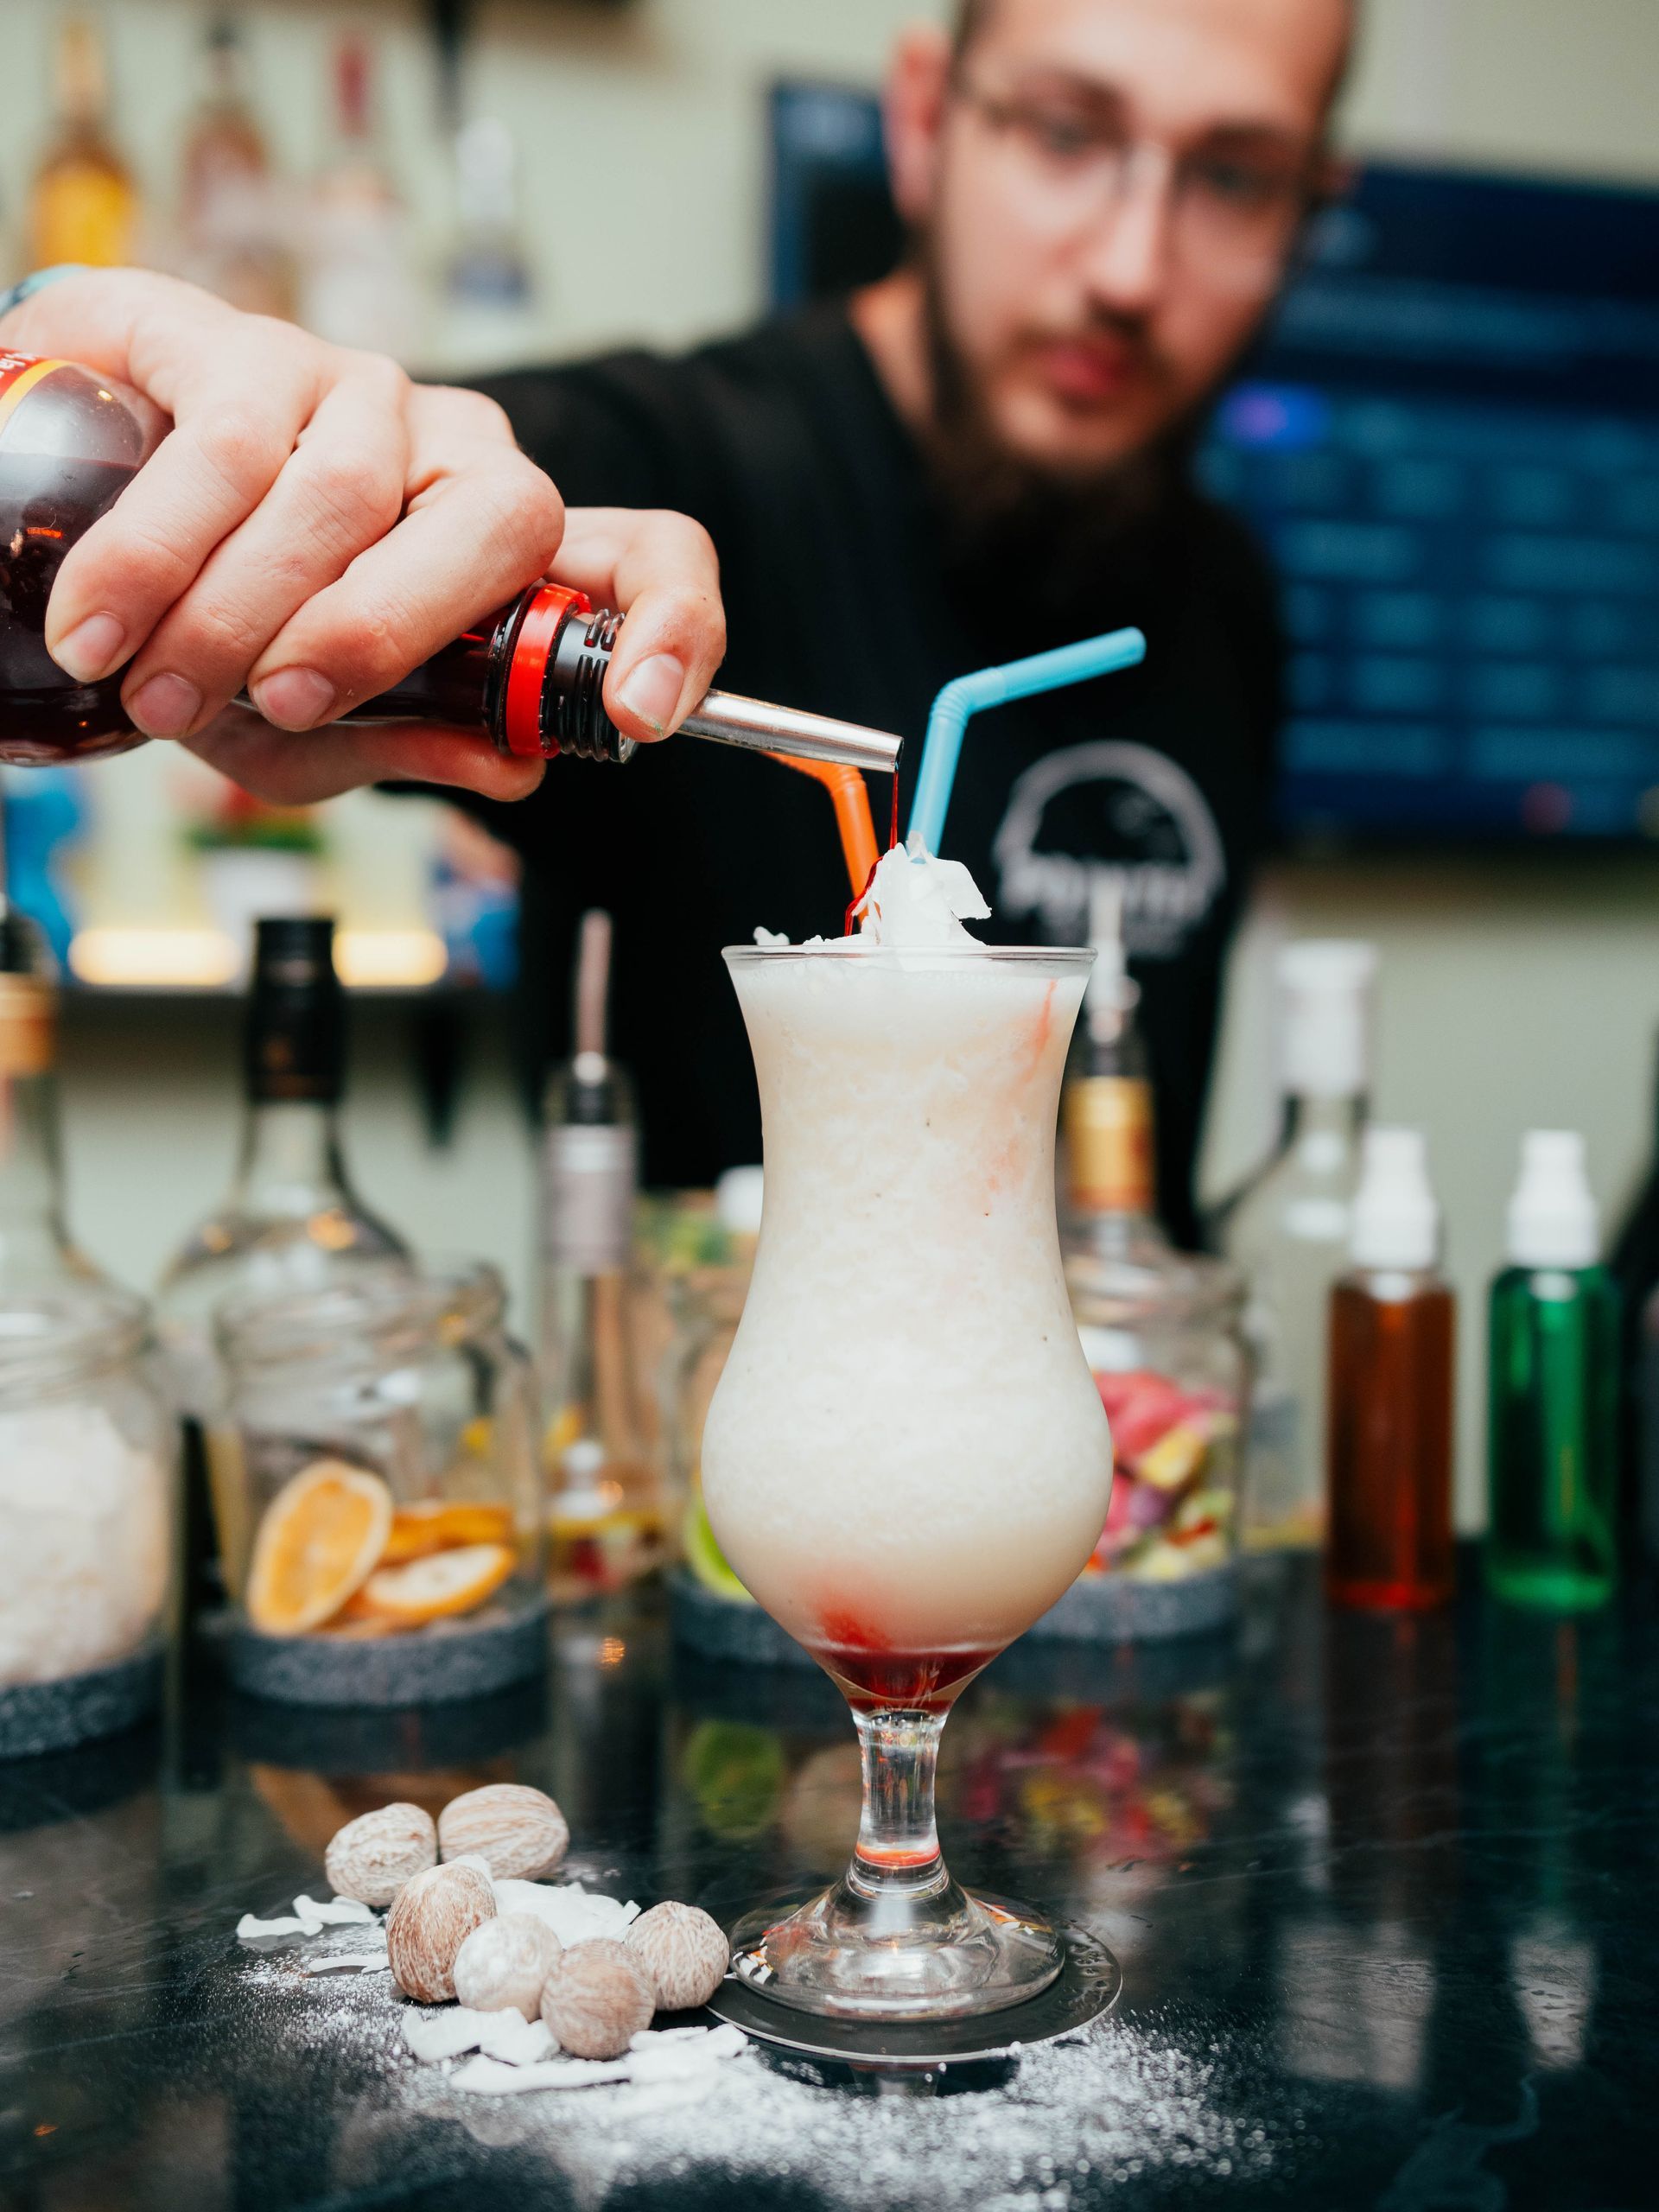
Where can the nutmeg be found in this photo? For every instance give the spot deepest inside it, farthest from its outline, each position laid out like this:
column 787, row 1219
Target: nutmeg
column 504, row 1964
column 435, row 1914
column 372, row 1856
column 683, row 1951
column 520, row 1832
column 597, row 1999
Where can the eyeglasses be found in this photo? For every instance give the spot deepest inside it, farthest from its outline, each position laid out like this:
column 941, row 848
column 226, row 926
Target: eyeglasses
column 1234, row 211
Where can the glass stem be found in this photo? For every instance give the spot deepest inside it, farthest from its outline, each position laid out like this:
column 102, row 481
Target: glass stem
column 897, row 1851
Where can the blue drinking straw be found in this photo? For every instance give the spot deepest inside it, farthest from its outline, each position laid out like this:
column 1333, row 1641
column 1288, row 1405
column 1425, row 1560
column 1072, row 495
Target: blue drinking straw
column 994, row 687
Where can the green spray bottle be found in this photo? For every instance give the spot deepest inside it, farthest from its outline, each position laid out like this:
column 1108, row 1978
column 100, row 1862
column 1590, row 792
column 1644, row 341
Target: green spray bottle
column 1553, row 1437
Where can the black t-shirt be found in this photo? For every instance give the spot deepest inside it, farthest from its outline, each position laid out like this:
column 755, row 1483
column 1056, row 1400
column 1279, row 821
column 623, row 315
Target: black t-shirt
column 844, row 596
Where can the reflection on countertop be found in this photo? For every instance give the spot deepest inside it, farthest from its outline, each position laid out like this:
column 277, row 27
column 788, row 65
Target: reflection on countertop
column 1381, row 1889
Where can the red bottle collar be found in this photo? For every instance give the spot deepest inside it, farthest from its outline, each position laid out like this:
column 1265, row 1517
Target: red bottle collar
column 538, row 632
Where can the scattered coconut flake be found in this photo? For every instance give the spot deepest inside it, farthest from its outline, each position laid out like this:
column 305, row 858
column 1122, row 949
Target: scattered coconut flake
column 573, row 1913
column 516, row 2041
column 674, row 2054
column 504, row 2036
column 332, row 1912
column 488, row 2077
column 248, row 1928
column 348, row 1962
column 665, row 2055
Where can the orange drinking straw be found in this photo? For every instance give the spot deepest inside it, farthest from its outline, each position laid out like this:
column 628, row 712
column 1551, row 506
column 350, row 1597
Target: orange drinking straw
column 851, row 798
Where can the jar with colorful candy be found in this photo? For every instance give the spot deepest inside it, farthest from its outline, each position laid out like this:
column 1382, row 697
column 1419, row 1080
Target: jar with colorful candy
column 1166, row 1343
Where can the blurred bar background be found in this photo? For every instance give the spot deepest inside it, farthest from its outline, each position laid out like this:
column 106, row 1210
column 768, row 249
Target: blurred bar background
column 623, row 148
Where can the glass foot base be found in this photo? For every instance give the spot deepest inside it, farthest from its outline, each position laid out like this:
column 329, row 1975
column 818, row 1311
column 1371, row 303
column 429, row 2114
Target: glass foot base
column 833, row 1956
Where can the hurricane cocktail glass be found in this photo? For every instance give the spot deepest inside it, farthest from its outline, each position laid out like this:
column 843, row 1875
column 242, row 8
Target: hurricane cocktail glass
column 906, row 1460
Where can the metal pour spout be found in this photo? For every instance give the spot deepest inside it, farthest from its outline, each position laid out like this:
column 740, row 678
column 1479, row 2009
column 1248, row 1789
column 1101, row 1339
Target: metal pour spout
column 728, row 720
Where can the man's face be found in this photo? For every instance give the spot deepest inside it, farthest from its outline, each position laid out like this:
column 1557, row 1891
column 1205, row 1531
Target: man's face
column 1116, row 186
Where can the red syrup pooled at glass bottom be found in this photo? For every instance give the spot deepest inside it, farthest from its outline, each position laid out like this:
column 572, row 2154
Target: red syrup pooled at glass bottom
column 874, row 1677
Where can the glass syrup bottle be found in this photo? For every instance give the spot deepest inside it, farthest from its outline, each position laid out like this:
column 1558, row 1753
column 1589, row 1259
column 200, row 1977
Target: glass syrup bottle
column 291, row 1218
column 35, row 1249
column 1553, row 1404
column 604, row 1506
column 1108, row 1186
column 1286, row 1231
column 83, row 204
column 1392, row 1319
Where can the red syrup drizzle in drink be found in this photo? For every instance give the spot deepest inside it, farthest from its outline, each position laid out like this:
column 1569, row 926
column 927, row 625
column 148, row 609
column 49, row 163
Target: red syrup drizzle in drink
column 893, row 841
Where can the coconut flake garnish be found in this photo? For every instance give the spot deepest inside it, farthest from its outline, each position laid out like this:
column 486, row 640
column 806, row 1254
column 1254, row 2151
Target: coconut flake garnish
column 914, row 902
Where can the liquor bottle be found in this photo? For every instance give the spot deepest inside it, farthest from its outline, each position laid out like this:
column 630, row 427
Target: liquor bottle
column 605, row 1517
column 1389, row 1545
column 359, row 286
column 1552, row 1432
column 1286, row 1231
column 1108, row 1206
column 35, row 1249
column 488, row 304
column 291, row 1217
column 230, row 224
column 83, row 205
column 528, row 677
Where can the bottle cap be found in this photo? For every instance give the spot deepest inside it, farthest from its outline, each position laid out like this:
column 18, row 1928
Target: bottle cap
column 738, row 1195
column 1553, row 1220
column 1109, row 985
column 1396, row 1221
column 1325, row 986
column 296, row 1035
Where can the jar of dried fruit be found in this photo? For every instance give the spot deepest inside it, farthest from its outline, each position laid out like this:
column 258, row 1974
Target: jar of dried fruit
column 375, row 1486
column 88, row 1480
column 1163, row 1334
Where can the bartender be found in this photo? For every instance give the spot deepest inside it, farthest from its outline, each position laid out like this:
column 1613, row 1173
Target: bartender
column 986, row 453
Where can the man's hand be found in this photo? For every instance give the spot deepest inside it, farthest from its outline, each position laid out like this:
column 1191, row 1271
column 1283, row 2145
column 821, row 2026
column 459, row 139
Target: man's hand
column 315, row 526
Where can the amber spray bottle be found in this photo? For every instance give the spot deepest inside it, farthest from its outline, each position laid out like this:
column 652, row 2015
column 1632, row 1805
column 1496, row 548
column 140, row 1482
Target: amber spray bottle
column 1388, row 1465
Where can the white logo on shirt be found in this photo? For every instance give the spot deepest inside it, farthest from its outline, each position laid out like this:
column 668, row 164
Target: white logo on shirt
column 1158, row 842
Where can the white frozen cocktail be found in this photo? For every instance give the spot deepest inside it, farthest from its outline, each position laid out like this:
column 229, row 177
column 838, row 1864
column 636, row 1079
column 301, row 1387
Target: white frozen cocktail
column 906, row 1460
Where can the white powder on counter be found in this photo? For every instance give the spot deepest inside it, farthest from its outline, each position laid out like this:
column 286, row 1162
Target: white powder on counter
column 83, row 1543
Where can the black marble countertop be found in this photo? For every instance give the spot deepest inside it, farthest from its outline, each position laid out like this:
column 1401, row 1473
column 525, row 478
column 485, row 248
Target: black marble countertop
column 1383, row 1891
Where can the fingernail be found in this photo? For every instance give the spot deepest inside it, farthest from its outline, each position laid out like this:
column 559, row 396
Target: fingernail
column 92, row 648
column 293, row 698
column 165, row 706
column 652, row 691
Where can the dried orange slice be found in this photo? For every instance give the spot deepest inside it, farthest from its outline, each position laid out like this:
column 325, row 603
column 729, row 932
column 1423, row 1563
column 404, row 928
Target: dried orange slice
column 428, row 1589
column 437, row 1525
column 319, row 1541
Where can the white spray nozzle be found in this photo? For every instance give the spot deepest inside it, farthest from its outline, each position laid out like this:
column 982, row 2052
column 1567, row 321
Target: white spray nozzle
column 1553, row 1219
column 1325, row 986
column 1397, row 1220
column 1108, row 992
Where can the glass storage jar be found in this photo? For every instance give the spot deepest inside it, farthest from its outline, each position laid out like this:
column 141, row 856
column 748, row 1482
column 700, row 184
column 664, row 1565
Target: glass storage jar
column 88, row 1485
column 1164, row 1337
column 374, row 1480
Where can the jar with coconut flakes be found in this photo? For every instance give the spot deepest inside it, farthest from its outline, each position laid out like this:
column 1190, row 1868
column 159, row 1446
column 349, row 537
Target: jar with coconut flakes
column 88, row 1475
column 375, row 1488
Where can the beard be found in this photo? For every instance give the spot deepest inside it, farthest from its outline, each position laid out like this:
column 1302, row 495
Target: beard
column 1061, row 531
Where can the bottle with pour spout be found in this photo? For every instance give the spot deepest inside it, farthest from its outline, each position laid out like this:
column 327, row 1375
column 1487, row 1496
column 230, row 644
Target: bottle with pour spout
column 528, row 677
